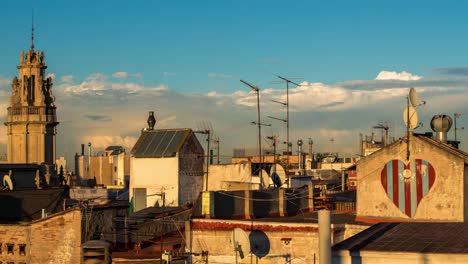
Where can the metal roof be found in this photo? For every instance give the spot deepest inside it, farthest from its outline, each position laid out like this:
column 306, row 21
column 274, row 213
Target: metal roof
column 410, row 237
column 160, row 143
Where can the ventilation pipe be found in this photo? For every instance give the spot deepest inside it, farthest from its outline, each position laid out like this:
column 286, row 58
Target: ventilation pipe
column 324, row 237
column 89, row 149
column 299, row 157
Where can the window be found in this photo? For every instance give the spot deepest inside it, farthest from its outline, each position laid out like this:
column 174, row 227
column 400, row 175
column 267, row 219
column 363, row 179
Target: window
column 10, row 248
column 115, row 168
column 22, row 250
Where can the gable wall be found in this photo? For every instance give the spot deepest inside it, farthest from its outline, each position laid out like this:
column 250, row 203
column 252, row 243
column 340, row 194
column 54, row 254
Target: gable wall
column 443, row 202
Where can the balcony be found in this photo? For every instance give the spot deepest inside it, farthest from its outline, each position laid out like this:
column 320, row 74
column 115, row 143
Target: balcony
column 31, row 114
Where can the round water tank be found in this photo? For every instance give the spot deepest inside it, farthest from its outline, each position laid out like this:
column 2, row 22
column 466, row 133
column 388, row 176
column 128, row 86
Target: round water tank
column 441, row 123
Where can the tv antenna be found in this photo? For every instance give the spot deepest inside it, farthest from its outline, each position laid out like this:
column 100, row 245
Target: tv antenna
column 259, row 124
column 383, row 127
column 455, row 117
column 240, row 242
column 206, row 128
column 288, row 143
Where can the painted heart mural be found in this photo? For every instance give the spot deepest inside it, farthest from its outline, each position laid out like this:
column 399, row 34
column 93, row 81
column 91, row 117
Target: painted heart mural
column 407, row 184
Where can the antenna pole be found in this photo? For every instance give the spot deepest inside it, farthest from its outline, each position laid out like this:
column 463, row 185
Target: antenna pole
column 259, row 124
column 217, row 146
column 407, row 129
column 287, row 129
column 207, row 159
column 288, row 144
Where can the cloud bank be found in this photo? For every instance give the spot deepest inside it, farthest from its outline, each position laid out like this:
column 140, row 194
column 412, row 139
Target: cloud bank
column 112, row 110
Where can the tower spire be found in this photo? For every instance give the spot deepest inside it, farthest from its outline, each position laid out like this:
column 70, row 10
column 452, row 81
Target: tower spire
column 32, row 30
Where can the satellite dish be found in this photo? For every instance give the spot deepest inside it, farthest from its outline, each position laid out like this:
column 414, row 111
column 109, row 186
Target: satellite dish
column 7, row 182
column 413, row 97
column 410, row 113
column 240, row 242
column 278, row 175
column 264, row 178
column 259, row 243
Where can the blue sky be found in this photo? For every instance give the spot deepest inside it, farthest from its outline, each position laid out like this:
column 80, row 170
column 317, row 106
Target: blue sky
column 191, row 55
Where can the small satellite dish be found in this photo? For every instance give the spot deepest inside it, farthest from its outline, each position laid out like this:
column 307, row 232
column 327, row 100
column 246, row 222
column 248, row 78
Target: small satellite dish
column 413, row 97
column 278, row 175
column 7, row 182
column 410, row 117
column 240, row 242
column 259, row 243
column 264, row 178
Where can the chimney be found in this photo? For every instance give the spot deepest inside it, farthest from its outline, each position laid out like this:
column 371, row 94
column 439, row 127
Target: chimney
column 82, row 149
column 299, row 158
column 441, row 124
column 151, row 120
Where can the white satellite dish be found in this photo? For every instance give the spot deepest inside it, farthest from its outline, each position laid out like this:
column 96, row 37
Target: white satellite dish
column 240, row 242
column 7, row 182
column 413, row 97
column 410, row 117
column 278, row 175
column 265, row 178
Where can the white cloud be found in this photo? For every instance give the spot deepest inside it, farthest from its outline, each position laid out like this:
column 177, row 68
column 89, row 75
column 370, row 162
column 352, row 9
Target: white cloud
column 124, row 75
column 317, row 110
column 51, row 75
column 392, row 75
column 67, row 78
column 100, row 142
column 120, row 75
column 98, row 84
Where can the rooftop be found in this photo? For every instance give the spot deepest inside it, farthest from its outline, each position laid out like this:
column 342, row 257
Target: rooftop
column 410, row 237
column 160, row 143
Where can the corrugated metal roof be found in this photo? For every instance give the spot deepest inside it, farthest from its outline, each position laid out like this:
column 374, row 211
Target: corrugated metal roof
column 160, row 143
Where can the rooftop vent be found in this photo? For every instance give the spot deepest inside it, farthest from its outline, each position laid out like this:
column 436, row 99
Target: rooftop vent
column 441, row 124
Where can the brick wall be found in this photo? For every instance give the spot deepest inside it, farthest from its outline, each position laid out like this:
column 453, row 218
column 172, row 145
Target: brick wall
column 54, row 239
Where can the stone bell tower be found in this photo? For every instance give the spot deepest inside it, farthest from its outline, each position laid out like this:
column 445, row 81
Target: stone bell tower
column 31, row 121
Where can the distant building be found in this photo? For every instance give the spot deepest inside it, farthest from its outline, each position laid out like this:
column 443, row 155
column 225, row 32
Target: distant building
column 166, row 168
column 110, row 169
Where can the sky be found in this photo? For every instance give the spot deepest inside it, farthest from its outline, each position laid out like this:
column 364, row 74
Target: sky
column 113, row 61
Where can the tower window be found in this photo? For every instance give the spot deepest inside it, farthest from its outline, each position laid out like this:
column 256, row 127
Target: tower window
column 31, row 82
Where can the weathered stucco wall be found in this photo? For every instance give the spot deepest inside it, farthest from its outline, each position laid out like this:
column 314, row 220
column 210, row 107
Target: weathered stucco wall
column 443, row 202
column 156, row 175
column 299, row 241
column 221, row 177
column 55, row 239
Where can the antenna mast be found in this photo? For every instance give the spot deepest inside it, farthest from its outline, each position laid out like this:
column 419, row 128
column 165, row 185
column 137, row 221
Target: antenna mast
column 259, row 124
column 32, row 30
column 288, row 144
